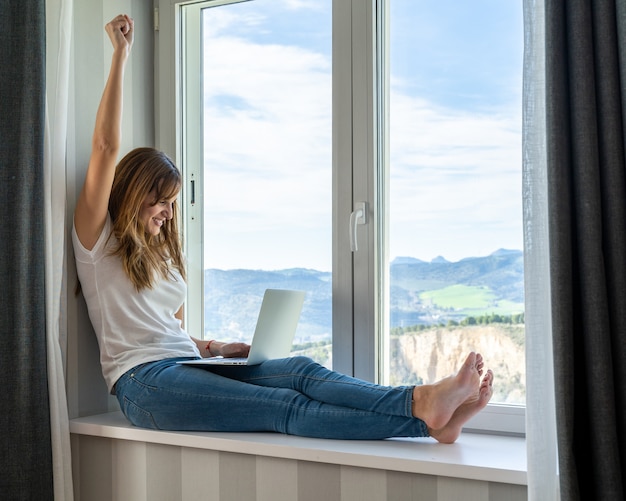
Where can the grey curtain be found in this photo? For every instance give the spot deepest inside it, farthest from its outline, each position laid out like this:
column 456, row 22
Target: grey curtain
column 586, row 111
column 26, row 460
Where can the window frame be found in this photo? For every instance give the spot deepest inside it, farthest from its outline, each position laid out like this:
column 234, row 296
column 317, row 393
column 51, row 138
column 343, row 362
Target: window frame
column 359, row 156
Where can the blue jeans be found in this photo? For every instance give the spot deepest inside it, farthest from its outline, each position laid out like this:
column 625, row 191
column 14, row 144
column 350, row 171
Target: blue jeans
column 293, row 395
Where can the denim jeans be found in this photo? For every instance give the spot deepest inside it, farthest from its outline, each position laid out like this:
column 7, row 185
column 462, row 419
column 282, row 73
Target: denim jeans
column 293, row 395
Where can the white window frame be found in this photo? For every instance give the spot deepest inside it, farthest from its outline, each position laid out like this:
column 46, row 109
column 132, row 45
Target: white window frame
column 359, row 154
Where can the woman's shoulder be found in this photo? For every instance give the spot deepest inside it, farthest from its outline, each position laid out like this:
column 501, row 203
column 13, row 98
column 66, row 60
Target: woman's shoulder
column 104, row 240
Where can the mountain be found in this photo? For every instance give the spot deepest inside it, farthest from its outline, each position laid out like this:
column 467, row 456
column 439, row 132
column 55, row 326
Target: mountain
column 422, row 293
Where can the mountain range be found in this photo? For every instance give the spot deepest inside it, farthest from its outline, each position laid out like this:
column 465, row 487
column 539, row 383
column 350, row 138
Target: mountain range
column 421, row 293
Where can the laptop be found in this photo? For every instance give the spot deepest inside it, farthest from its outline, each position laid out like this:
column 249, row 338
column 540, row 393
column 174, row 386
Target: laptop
column 274, row 332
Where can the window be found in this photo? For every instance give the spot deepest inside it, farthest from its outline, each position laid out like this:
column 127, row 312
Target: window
column 454, row 259
column 395, row 88
column 259, row 176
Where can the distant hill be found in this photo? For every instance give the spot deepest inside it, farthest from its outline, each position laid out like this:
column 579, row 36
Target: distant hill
column 427, row 293
column 439, row 291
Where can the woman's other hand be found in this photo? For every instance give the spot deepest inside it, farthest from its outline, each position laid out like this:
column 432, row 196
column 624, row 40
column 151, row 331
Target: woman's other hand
column 215, row 348
column 231, row 350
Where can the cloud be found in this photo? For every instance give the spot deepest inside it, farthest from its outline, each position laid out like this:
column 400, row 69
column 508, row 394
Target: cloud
column 456, row 175
column 456, row 179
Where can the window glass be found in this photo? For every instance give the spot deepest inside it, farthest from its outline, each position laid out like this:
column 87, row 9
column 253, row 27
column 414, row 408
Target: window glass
column 455, row 233
column 266, row 100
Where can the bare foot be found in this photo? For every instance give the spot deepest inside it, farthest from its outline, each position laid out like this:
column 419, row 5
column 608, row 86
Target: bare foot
column 451, row 431
column 435, row 403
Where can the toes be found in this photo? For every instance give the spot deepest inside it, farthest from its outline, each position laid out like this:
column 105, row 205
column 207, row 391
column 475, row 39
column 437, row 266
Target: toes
column 487, row 381
column 486, row 390
column 479, row 363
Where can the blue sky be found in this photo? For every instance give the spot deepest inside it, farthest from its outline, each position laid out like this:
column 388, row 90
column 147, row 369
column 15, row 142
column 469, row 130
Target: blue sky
column 455, row 131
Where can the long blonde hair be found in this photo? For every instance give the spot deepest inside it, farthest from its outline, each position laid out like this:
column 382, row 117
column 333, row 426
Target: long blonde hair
column 145, row 256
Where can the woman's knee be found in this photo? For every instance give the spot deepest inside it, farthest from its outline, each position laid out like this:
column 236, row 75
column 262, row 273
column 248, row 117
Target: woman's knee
column 298, row 365
column 303, row 364
column 301, row 360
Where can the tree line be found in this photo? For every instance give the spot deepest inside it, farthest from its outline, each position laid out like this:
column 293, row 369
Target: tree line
column 493, row 318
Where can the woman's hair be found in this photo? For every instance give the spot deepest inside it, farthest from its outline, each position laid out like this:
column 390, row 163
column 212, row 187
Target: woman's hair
column 145, row 256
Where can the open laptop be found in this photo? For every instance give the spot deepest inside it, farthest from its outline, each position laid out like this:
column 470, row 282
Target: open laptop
column 274, row 332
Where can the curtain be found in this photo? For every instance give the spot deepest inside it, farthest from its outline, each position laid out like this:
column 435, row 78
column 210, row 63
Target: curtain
column 26, row 461
column 540, row 402
column 58, row 37
column 585, row 47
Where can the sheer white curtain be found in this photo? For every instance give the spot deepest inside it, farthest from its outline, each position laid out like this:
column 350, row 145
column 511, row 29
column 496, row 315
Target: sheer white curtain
column 540, row 408
column 58, row 39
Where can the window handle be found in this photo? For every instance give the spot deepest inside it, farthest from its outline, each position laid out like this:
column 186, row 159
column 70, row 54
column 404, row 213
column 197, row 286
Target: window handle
column 358, row 216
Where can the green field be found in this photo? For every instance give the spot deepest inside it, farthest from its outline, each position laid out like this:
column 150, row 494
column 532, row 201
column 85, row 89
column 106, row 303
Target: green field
column 470, row 299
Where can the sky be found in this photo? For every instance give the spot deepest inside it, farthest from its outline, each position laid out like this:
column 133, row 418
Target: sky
column 455, row 131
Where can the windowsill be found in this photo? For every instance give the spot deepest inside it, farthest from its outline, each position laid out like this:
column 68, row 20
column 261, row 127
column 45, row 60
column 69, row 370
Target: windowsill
column 491, row 458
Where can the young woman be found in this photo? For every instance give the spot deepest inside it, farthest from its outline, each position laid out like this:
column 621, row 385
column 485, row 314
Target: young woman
column 132, row 273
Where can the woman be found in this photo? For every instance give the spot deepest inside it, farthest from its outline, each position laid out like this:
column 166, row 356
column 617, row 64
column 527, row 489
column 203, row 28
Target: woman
column 131, row 269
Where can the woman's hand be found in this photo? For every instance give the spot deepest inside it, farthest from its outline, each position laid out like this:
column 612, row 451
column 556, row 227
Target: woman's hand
column 121, row 32
column 227, row 350
column 231, row 350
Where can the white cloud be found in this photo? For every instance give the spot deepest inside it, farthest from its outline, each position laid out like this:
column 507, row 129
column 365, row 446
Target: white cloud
column 268, row 131
column 456, row 185
column 456, row 180
column 302, row 4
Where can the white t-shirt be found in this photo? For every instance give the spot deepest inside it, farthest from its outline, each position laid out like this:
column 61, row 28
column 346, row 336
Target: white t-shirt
column 132, row 327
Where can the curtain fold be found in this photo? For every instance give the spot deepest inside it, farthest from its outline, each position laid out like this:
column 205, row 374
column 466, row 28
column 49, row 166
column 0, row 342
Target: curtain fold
column 585, row 94
column 26, row 461
column 540, row 403
column 59, row 34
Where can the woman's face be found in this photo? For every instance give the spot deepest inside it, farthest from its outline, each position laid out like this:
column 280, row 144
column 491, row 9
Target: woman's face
column 154, row 215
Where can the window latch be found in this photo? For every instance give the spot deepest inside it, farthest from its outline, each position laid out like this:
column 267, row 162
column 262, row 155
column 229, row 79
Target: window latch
column 357, row 217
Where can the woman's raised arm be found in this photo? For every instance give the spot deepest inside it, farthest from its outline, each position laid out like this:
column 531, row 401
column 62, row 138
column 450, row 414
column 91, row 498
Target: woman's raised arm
column 93, row 201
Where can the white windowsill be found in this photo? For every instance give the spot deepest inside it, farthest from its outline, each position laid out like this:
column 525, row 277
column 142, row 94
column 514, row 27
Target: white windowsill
column 474, row 456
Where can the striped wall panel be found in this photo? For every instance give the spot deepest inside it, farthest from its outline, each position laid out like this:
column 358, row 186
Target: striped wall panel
column 106, row 469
